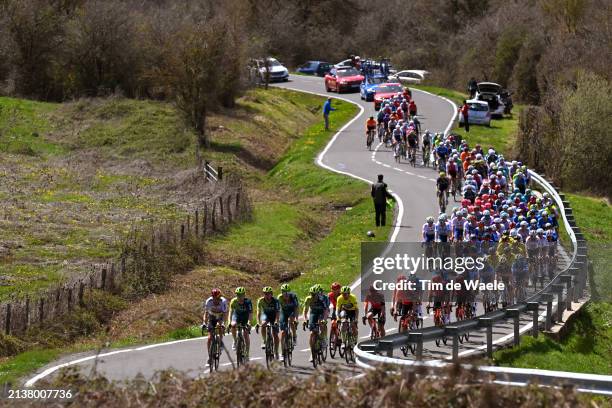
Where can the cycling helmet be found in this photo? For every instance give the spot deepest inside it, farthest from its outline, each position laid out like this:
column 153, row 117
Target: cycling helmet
column 539, row 231
column 524, row 223
column 442, row 218
column 313, row 290
column 474, row 171
column 240, row 291
column 442, row 174
column 430, row 220
column 285, row 288
column 346, row 289
column 216, row 292
column 532, row 233
column 267, row 289
column 497, row 220
column 548, row 225
column 335, row 286
column 499, row 174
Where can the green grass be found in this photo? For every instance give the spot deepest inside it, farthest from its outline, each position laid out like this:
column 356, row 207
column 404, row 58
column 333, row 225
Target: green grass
column 586, row 348
column 593, row 216
column 334, row 257
column 24, row 363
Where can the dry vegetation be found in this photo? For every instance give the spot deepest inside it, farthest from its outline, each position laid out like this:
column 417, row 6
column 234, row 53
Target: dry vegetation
column 256, row 387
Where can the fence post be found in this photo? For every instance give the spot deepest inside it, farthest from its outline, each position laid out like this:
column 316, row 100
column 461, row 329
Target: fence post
column 455, row 334
column 111, row 280
column 567, row 279
column 488, row 323
column 222, row 220
column 548, row 298
column 535, row 308
column 27, row 312
column 238, row 211
column 212, row 216
column 514, row 314
column 220, row 173
column 82, row 288
column 182, row 231
column 229, row 208
column 7, row 321
column 103, row 283
column 189, row 224
column 69, row 299
column 204, row 218
column 559, row 290
column 197, row 223
column 41, row 310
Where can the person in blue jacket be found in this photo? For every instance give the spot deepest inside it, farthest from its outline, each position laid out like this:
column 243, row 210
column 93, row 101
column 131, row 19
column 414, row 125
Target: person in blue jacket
column 326, row 109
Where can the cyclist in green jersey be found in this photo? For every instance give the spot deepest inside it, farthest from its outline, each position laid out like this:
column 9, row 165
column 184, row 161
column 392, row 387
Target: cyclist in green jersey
column 268, row 308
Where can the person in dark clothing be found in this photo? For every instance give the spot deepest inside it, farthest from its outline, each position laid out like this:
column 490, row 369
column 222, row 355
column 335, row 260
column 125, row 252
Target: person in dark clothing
column 380, row 195
column 472, row 87
column 464, row 110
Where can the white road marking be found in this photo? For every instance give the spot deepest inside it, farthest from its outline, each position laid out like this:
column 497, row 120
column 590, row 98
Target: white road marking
column 305, row 350
column 398, row 169
column 386, row 165
column 409, row 173
column 421, row 176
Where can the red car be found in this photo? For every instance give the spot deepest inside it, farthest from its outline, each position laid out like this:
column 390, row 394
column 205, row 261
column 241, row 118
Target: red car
column 345, row 79
column 386, row 91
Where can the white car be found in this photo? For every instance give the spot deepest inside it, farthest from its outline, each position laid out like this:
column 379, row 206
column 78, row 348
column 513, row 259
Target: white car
column 490, row 92
column 278, row 72
column 347, row 63
column 411, row 76
column 478, row 113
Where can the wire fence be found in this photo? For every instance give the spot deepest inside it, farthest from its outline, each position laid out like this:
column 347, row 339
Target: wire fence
column 228, row 203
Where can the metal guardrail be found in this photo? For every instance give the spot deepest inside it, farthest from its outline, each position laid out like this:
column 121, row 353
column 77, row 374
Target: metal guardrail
column 567, row 286
column 211, row 173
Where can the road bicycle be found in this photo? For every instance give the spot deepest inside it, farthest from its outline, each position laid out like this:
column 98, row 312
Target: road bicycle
column 381, row 132
column 442, row 201
column 462, row 313
column 335, row 342
column 241, row 348
column 438, row 322
column 412, row 156
column 456, row 187
column 370, row 139
column 399, row 151
column 269, row 343
column 374, row 327
column 318, row 351
column 288, row 344
column 489, row 302
column 349, row 339
column 426, row 153
column 216, row 346
column 408, row 322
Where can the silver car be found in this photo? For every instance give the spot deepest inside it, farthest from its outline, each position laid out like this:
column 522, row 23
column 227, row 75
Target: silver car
column 478, row 113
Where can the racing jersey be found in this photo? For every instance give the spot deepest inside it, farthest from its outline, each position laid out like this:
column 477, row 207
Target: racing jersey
column 442, row 231
column 216, row 309
column 291, row 302
column 241, row 308
column 332, row 298
column 376, row 301
column 317, row 303
column 348, row 303
column 429, row 232
column 371, row 124
column 268, row 306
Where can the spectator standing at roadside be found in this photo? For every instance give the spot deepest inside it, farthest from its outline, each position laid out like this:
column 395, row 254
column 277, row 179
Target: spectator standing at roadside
column 326, row 109
column 380, row 195
column 472, row 87
column 464, row 110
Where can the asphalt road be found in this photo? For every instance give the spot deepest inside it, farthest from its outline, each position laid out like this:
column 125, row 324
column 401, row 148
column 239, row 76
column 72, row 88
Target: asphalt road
column 415, row 187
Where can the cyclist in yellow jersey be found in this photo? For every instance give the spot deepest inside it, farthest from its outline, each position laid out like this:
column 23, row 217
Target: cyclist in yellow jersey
column 347, row 307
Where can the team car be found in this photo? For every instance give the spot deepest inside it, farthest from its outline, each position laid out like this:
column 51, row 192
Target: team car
column 343, row 80
column 369, row 85
column 386, row 91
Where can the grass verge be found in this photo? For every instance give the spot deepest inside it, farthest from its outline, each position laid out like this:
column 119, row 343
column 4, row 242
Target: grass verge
column 585, row 349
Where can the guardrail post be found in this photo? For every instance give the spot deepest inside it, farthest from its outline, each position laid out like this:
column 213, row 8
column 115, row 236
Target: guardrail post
column 535, row 308
column 514, row 314
column 575, row 273
column 559, row 291
column 488, row 323
column 548, row 298
column 220, row 173
column 454, row 332
column 419, row 346
column 567, row 279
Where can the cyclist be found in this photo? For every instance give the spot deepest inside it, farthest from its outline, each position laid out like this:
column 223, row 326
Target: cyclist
column 413, row 141
column 215, row 312
column 402, row 304
column 429, row 230
column 417, row 125
column 241, row 311
column 346, row 307
column 289, row 304
column 268, row 310
column 436, row 293
column 442, row 229
column 370, row 127
column 333, row 296
column 442, row 184
column 412, row 108
column 315, row 309
column 374, row 306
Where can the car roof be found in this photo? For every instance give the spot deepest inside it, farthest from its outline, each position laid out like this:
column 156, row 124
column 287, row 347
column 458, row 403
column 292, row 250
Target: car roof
column 416, row 71
column 488, row 83
column 390, row 83
column 479, row 102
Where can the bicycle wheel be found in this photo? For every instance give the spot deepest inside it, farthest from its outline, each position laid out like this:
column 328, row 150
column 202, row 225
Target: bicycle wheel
column 269, row 351
column 323, row 353
column 333, row 339
column 212, row 352
column 239, row 351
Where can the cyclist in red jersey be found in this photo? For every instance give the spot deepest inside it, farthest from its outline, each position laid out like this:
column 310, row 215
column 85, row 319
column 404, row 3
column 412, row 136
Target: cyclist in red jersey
column 333, row 297
column 402, row 303
column 374, row 306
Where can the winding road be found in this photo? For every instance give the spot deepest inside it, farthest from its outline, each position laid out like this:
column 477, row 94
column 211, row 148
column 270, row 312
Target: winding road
column 346, row 153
